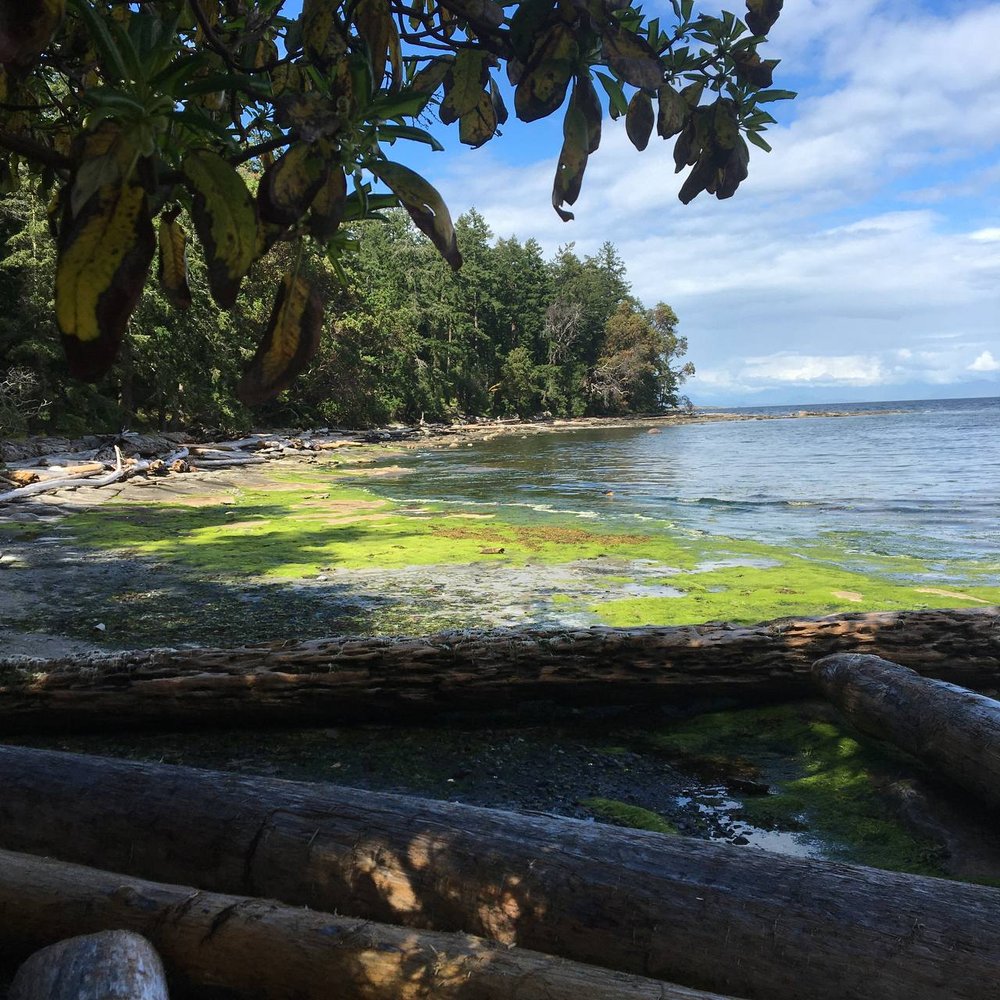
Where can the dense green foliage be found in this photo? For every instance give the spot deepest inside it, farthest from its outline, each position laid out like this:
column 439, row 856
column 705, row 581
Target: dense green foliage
column 130, row 116
column 509, row 334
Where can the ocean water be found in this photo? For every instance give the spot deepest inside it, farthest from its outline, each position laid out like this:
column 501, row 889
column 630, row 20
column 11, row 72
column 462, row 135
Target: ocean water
column 918, row 478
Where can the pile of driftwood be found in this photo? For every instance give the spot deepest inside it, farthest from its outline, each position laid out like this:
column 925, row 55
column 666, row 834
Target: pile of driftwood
column 276, row 889
column 94, row 461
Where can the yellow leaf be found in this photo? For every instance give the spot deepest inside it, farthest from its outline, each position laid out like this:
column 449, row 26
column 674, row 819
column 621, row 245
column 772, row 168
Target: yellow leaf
column 103, row 258
column 289, row 343
column 225, row 220
column 480, row 124
column 173, row 267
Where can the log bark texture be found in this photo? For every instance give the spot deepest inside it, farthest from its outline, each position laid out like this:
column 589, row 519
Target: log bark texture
column 395, row 679
column 709, row 916
column 952, row 729
column 109, row 965
column 259, row 948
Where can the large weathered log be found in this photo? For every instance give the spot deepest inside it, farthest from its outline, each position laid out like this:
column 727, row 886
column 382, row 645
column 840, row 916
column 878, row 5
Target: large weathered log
column 956, row 731
column 259, row 948
column 343, row 680
column 710, row 916
column 109, row 965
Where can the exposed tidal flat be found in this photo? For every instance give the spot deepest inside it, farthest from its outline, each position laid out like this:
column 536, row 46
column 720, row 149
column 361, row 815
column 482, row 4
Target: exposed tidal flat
column 616, row 526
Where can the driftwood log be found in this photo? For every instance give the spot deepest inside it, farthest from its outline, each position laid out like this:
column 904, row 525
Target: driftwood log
column 954, row 730
column 259, row 948
column 384, row 679
column 709, row 916
column 109, row 965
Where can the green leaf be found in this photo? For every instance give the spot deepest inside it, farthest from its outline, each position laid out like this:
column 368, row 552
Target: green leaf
column 767, row 96
column 390, row 133
column 617, row 104
column 113, row 62
column 758, row 140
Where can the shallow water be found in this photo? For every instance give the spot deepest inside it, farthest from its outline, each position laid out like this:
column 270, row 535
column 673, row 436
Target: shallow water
column 919, row 478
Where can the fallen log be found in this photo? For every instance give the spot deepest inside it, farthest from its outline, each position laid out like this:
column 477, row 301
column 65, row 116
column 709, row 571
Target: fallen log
column 259, row 948
column 110, row 965
column 380, row 679
column 710, row 916
column 954, row 730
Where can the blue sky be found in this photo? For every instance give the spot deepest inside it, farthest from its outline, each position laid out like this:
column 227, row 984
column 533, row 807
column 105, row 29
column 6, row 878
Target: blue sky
column 859, row 261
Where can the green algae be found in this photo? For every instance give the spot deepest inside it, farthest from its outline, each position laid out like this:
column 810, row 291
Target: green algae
column 623, row 814
column 826, row 778
column 312, row 521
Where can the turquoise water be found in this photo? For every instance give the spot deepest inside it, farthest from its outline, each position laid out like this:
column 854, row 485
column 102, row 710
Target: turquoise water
column 911, row 478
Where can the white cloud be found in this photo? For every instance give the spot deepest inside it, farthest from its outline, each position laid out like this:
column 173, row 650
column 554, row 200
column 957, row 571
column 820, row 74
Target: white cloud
column 985, row 363
column 824, row 262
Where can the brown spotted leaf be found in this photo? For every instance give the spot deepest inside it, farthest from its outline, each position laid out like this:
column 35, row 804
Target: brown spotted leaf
column 464, row 86
column 572, row 161
column 586, row 99
column 102, row 260
column 671, row 113
column 327, row 210
column 639, row 119
column 542, row 85
column 373, row 19
column 761, row 15
column 425, row 207
column 290, row 341
column 290, row 184
column 225, row 219
column 632, row 58
column 480, row 124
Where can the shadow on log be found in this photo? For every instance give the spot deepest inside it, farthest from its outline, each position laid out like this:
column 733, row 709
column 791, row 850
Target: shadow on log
column 259, row 948
column 398, row 679
column 710, row 916
column 953, row 730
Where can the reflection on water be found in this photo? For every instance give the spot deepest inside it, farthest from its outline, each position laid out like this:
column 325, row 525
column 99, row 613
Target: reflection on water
column 923, row 481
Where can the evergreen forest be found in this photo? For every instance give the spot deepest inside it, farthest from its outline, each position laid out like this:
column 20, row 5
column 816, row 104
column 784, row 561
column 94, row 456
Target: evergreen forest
column 512, row 334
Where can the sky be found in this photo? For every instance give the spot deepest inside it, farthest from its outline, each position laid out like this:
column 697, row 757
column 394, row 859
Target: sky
column 859, row 261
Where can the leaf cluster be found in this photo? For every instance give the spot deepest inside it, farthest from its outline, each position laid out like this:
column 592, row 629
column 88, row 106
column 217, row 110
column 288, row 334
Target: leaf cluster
column 270, row 127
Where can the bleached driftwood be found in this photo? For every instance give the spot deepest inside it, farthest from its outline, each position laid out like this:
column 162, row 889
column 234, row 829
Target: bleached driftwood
column 68, row 482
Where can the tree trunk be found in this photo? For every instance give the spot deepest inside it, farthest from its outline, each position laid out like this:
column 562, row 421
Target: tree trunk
column 386, row 679
column 952, row 729
column 259, row 948
column 110, row 965
column 710, row 916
